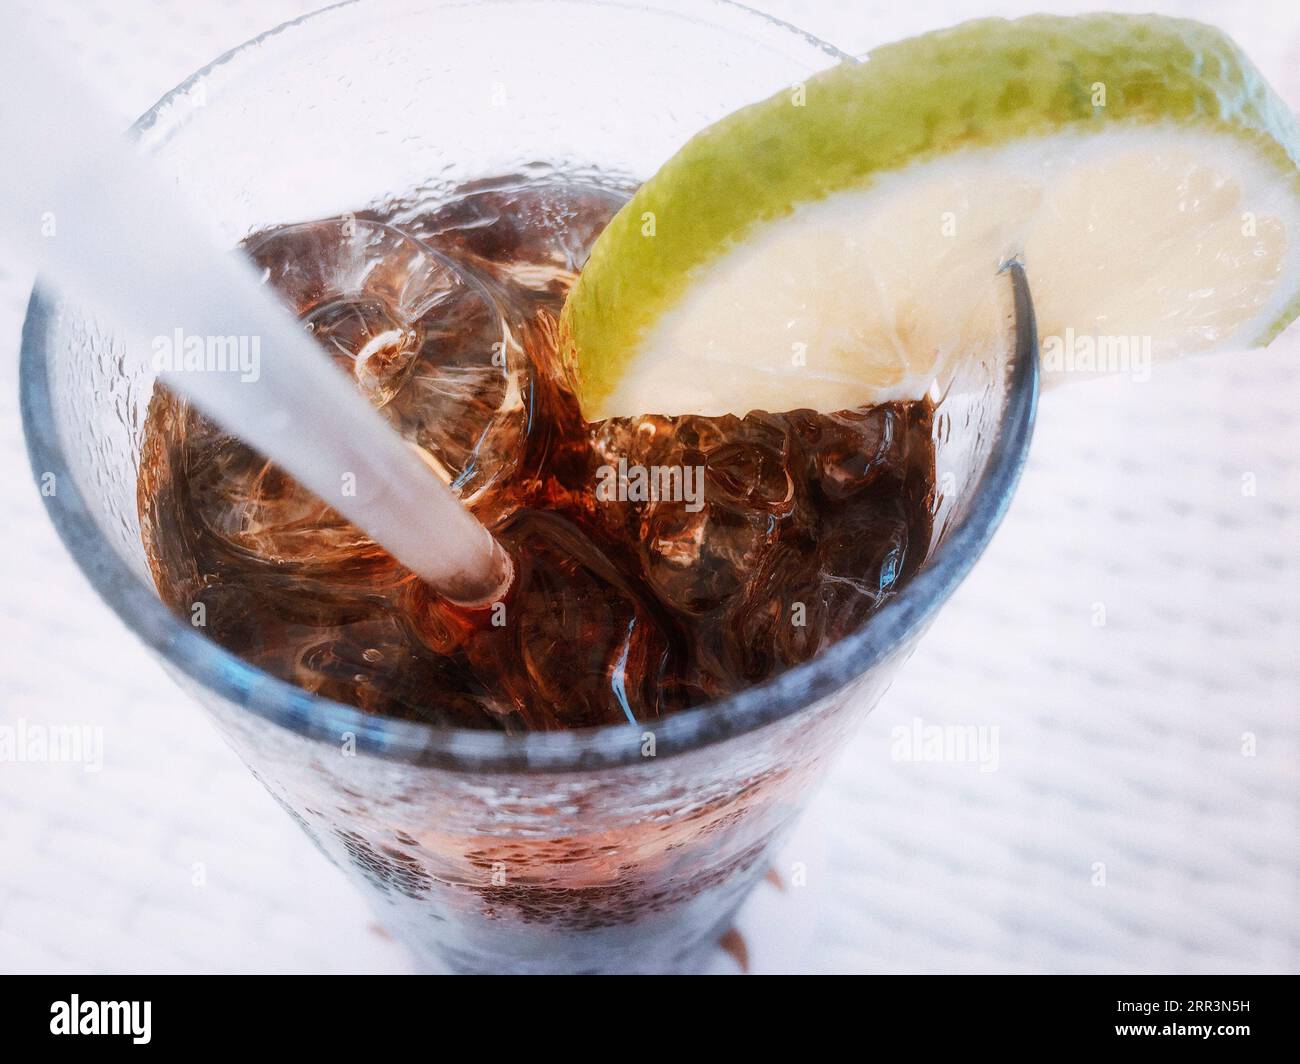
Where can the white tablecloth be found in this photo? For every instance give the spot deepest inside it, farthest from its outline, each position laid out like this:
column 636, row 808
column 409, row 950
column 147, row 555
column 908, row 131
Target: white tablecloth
column 1124, row 829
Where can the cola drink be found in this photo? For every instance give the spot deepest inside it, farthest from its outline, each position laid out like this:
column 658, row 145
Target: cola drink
column 663, row 562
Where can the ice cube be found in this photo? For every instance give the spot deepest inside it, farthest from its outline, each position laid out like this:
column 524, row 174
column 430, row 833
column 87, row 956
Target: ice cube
column 422, row 336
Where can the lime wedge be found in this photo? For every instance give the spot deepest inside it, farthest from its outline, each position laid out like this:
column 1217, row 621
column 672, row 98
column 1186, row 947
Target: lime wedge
column 834, row 244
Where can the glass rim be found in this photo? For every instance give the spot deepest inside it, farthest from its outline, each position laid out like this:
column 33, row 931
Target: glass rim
column 185, row 650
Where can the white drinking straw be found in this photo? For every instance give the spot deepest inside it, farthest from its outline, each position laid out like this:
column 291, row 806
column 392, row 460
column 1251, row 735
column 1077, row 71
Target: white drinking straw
column 79, row 203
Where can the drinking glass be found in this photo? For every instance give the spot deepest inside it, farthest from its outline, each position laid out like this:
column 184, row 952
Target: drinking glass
column 622, row 848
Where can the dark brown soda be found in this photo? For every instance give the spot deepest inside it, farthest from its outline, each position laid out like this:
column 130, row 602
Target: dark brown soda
column 626, row 606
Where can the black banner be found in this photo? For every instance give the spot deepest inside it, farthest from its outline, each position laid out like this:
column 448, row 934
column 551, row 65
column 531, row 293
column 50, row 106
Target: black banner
column 367, row 1013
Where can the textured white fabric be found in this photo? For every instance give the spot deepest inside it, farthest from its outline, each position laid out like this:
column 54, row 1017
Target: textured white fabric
column 1136, row 617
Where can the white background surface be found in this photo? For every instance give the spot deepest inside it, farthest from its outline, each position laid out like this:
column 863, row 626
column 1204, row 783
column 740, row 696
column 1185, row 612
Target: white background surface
column 1119, row 744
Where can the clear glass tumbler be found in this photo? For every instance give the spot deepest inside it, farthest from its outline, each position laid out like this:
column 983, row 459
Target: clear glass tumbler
column 616, row 849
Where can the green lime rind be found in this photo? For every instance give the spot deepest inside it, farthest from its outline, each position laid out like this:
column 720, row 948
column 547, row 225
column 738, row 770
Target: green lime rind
column 978, row 84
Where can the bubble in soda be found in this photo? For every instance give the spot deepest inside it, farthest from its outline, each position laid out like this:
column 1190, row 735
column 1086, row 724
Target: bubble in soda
column 663, row 562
